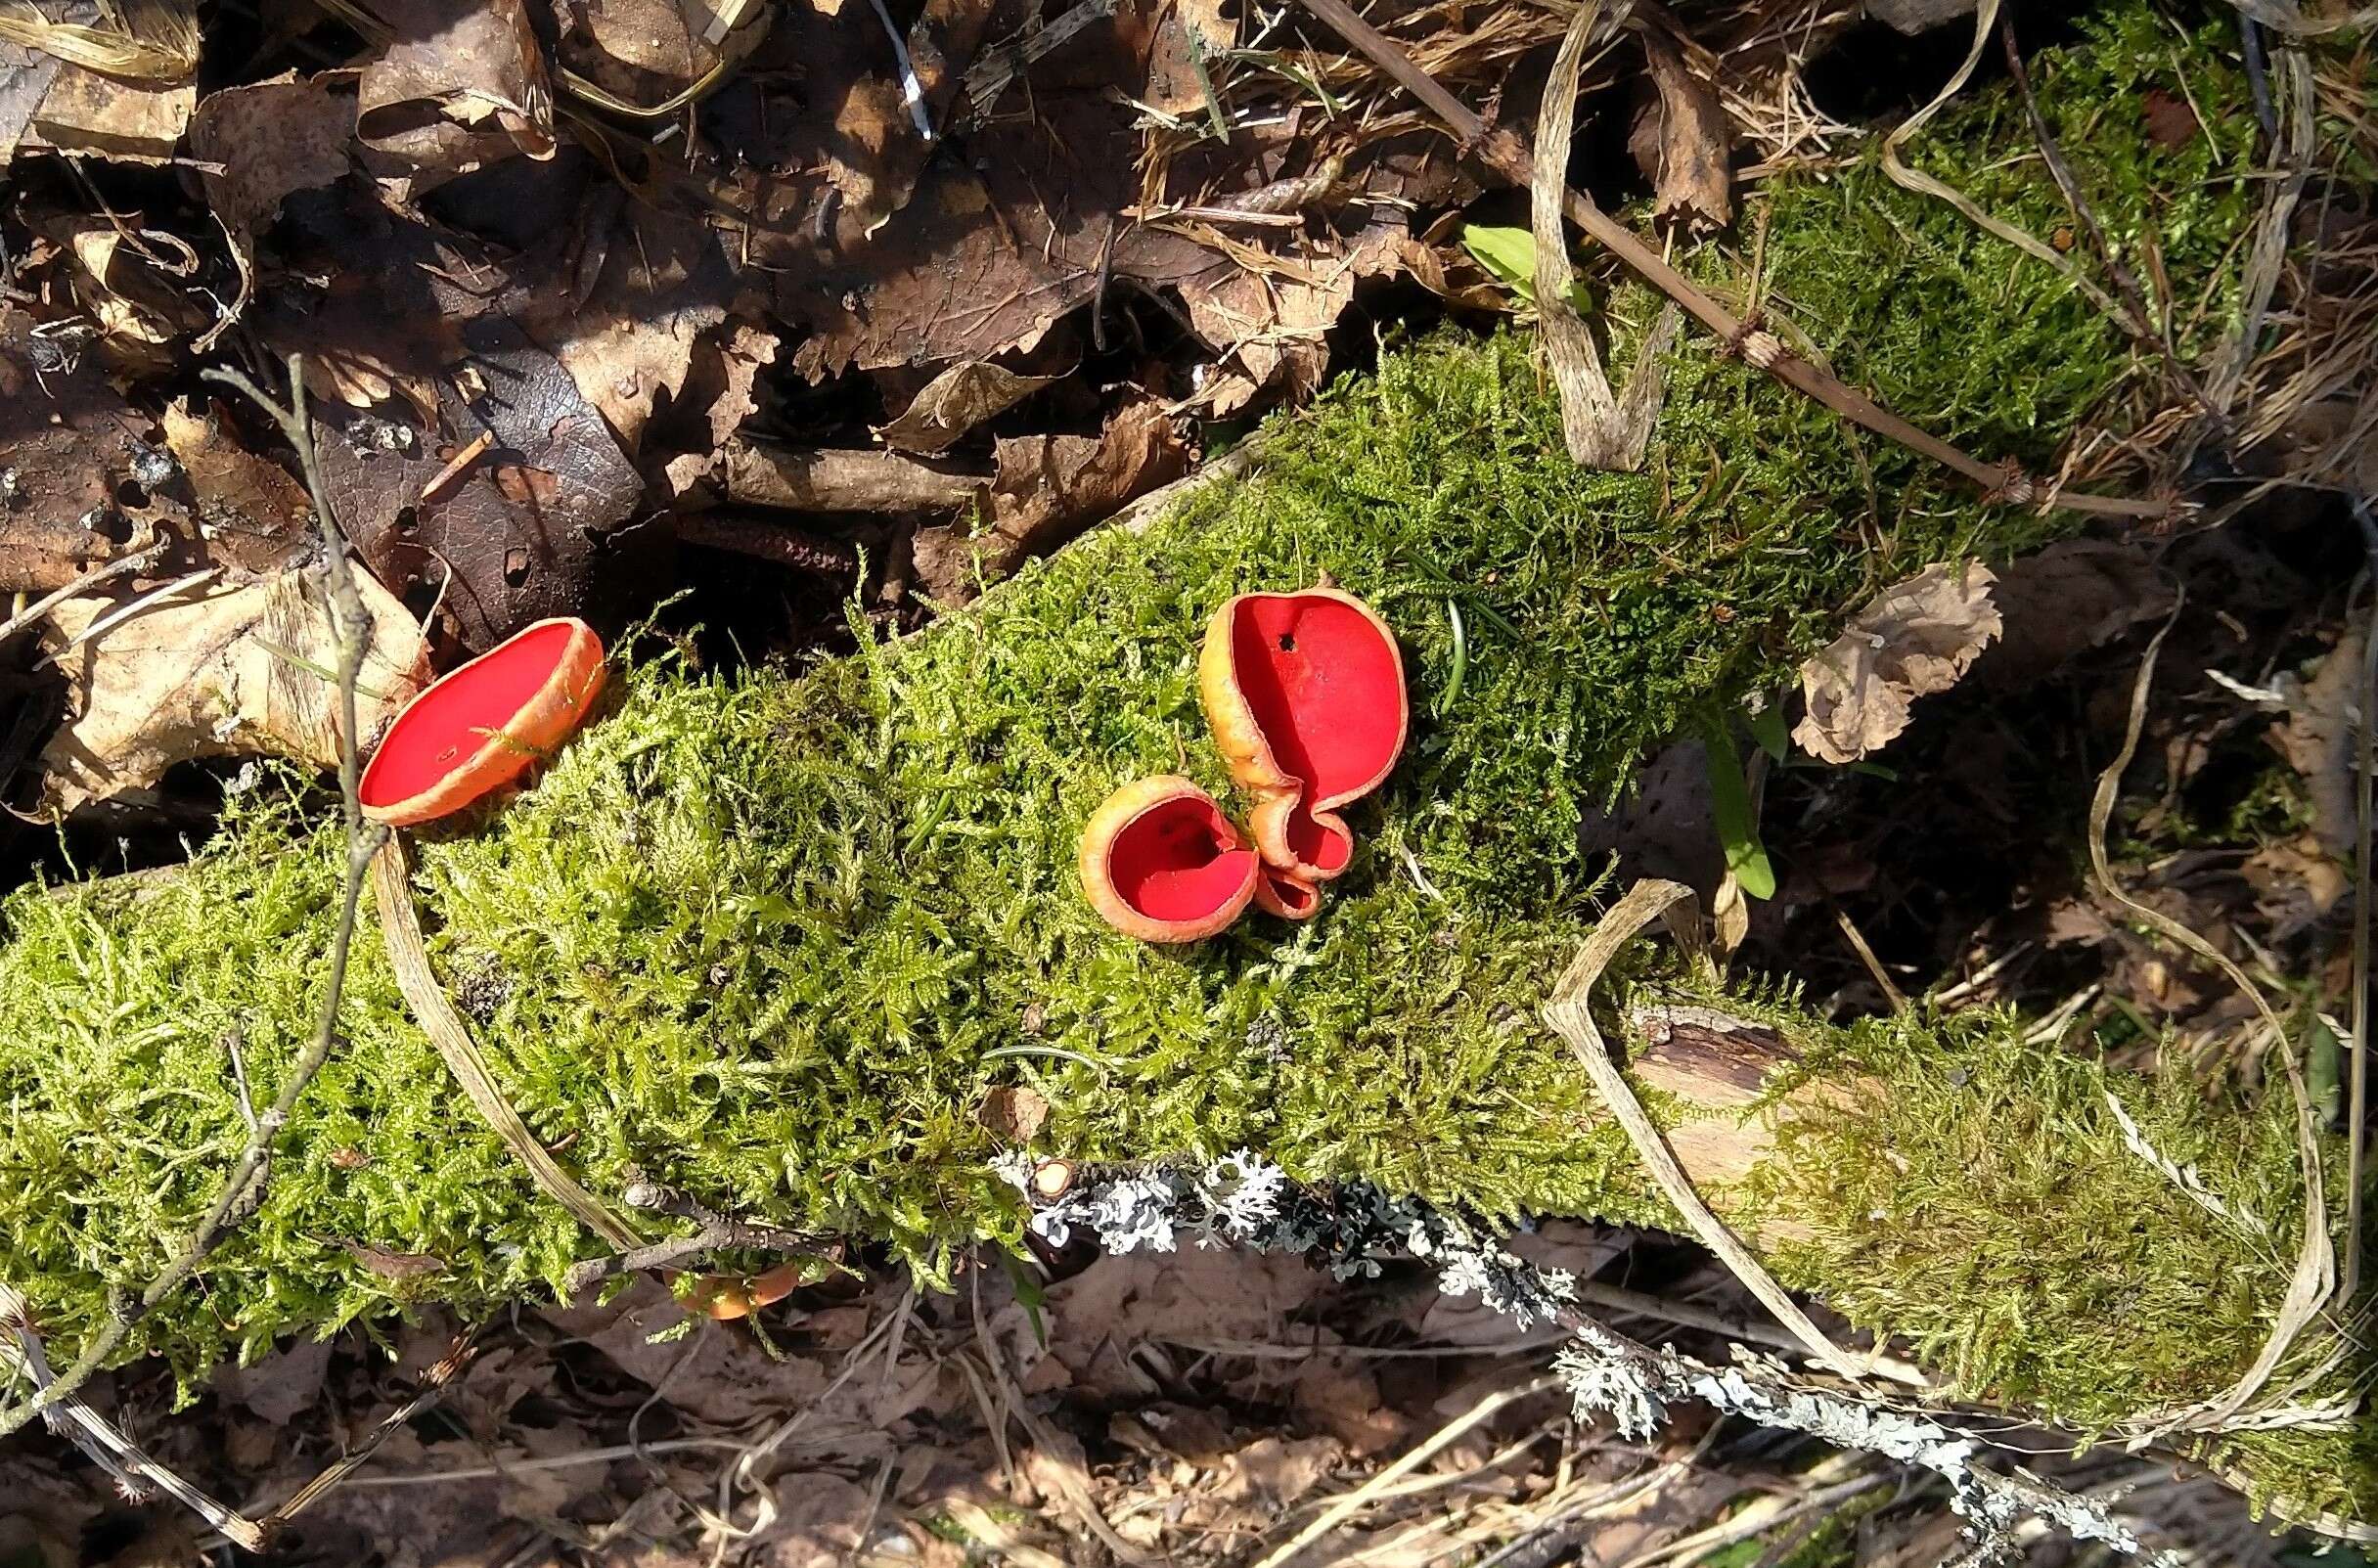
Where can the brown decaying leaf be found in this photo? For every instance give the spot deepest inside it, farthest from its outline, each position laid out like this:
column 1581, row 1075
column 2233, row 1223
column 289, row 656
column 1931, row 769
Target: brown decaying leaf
column 1172, row 74
column 281, row 1386
column 1049, row 488
column 71, row 454
column 271, row 137
column 1683, row 141
column 461, row 87
column 1916, row 638
column 252, row 514
column 981, row 257
column 2316, row 740
column 955, row 401
column 838, row 480
column 223, row 671
column 1014, row 1115
column 26, row 75
column 111, row 116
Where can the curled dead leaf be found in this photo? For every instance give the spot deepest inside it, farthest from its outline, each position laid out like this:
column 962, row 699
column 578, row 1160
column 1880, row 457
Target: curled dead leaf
column 955, row 401
column 1683, row 140
column 1916, row 638
column 463, row 85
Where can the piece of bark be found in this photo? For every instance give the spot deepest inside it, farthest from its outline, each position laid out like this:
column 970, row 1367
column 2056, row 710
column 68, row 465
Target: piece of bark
column 833, row 480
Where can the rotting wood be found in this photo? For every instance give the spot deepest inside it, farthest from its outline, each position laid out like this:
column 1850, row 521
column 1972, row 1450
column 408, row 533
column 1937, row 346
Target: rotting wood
column 771, row 540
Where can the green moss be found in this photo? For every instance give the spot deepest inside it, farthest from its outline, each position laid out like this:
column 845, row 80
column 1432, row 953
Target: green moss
column 771, row 938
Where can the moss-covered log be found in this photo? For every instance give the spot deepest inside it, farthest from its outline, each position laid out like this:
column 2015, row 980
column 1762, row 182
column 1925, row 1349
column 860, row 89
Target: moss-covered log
column 770, row 939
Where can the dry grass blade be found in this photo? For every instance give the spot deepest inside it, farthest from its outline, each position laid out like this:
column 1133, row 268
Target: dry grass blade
column 1445, row 1436
column 2267, row 260
column 1603, row 430
column 152, row 40
column 1570, row 1017
column 2314, row 1280
column 400, row 929
column 1986, row 17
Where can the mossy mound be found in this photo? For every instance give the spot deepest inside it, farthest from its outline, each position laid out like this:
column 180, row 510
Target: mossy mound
column 771, row 938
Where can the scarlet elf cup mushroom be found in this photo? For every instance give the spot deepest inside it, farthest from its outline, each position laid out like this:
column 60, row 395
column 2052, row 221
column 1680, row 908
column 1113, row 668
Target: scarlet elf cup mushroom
column 1305, row 693
column 478, row 727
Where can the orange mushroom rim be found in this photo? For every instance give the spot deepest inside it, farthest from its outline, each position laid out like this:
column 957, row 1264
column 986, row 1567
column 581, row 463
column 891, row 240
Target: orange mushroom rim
column 481, row 726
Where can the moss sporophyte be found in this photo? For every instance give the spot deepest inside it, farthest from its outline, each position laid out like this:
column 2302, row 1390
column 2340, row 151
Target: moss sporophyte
column 770, row 938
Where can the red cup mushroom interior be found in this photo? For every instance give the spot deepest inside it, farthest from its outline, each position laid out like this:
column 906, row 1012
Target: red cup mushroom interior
column 1325, row 689
column 1180, row 860
column 451, row 720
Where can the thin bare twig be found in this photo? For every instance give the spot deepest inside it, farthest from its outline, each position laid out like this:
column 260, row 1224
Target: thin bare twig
column 433, row 1388
column 1509, row 156
column 718, row 1232
column 121, row 566
column 244, row 1189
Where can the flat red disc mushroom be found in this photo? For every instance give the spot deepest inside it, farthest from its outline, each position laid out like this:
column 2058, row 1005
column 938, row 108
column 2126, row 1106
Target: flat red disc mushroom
column 478, row 728
column 1305, row 693
column 1160, row 862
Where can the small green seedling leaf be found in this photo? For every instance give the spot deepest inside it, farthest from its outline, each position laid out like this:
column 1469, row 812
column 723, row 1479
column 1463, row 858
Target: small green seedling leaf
column 1737, row 826
column 1509, row 253
column 1766, row 728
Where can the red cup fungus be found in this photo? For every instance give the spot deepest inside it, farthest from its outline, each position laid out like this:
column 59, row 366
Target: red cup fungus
column 1305, row 693
column 1160, row 862
column 478, row 728
column 728, row 1296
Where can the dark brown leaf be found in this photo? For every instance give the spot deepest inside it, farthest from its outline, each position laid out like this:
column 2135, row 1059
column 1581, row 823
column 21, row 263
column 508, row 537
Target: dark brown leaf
column 461, row 87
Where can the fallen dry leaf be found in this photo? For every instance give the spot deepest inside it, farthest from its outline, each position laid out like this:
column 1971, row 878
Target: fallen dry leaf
column 2057, row 602
column 461, row 87
column 1049, row 488
column 281, row 1386
column 252, row 512
column 2316, row 740
column 819, row 1516
column 111, row 116
column 1916, row 638
column 77, row 462
column 1014, row 1116
column 221, row 671
column 955, row 401
column 1185, row 32
column 26, row 75
column 720, row 1375
column 271, row 137
column 1683, row 141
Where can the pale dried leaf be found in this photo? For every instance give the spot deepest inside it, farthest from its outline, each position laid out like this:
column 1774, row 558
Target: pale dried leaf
column 955, row 401
column 1917, row 638
column 111, row 116
column 222, row 672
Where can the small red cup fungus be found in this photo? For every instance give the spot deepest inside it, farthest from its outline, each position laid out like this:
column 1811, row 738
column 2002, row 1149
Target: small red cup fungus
column 1160, row 862
column 478, row 728
column 1305, row 693
column 728, row 1296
